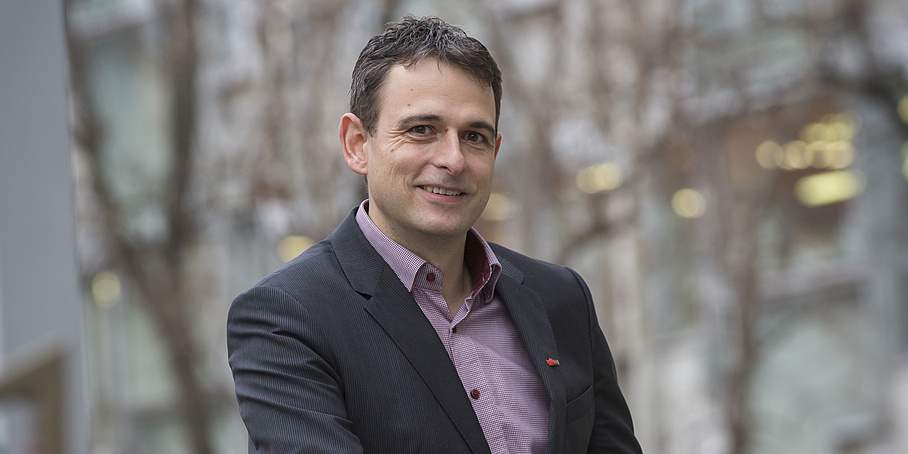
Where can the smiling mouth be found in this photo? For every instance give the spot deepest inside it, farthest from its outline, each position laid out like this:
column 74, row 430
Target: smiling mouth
column 440, row 191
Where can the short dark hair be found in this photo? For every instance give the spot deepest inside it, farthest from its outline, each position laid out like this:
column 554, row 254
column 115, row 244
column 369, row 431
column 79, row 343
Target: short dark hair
column 407, row 43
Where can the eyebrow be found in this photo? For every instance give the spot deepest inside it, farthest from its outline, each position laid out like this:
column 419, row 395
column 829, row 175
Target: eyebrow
column 412, row 119
column 431, row 118
column 485, row 126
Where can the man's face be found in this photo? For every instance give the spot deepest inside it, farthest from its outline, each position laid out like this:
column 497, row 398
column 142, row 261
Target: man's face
column 431, row 159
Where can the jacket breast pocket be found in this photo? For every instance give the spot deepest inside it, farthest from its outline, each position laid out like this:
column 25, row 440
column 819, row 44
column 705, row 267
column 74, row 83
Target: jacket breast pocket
column 579, row 417
column 579, row 406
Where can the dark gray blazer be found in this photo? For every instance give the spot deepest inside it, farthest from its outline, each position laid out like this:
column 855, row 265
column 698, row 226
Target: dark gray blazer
column 331, row 354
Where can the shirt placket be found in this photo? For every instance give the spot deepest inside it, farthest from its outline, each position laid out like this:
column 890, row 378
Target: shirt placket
column 478, row 388
column 464, row 353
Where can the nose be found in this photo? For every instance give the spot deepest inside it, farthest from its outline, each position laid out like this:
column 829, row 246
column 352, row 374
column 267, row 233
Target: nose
column 448, row 154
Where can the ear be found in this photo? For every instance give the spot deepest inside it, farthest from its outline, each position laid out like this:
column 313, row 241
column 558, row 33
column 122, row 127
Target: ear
column 497, row 144
column 353, row 137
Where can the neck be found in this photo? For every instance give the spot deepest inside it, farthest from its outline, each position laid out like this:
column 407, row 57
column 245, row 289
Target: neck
column 445, row 253
column 448, row 257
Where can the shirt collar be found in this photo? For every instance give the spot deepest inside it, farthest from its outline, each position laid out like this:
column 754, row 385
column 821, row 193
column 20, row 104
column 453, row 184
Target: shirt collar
column 481, row 260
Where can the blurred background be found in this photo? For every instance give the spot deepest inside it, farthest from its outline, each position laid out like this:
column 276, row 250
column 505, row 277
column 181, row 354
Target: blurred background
column 730, row 177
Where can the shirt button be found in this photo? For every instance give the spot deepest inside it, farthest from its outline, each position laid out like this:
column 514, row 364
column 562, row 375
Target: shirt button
column 474, row 394
column 430, row 277
column 454, row 330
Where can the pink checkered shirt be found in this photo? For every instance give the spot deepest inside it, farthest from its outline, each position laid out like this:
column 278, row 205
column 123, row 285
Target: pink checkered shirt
column 507, row 395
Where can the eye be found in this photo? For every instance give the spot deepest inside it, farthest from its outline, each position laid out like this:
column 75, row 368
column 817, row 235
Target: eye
column 420, row 130
column 473, row 136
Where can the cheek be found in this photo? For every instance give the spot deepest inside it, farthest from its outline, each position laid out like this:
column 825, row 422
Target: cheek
column 391, row 167
column 393, row 143
column 405, row 159
column 381, row 160
column 482, row 165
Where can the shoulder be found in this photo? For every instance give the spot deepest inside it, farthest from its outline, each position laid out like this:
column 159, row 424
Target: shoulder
column 302, row 282
column 309, row 298
column 317, row 262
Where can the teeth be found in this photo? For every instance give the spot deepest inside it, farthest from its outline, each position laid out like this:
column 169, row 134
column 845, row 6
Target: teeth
column 435, row 190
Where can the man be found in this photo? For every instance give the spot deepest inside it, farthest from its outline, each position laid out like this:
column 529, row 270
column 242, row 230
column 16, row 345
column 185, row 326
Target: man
column 404, row 331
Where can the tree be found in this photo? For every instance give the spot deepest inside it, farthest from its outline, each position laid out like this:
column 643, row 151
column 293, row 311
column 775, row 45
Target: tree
column 157, row 268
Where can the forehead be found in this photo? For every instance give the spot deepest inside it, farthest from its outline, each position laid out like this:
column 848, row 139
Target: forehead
column 435, row 86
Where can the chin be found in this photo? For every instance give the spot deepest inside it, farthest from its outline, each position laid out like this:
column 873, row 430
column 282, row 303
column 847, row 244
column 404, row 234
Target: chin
column 445, row 228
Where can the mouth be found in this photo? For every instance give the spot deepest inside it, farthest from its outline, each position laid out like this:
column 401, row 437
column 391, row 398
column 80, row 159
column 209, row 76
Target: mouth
column 440, row 191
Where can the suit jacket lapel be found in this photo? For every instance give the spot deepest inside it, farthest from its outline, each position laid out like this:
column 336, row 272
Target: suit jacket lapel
column 392, row 306
column 532, row 323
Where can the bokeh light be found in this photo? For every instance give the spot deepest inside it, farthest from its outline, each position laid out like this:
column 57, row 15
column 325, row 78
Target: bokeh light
column 688, row 203
column 826, row 144
column 769, row 155
column 599, row 178
column 829, row 187
column 903, row 109
column 499, row 208
column 293, row 245
column 795, row 155
column 105, row 289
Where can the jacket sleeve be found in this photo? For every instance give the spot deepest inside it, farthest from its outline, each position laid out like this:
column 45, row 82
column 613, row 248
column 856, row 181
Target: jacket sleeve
column 613, row 430
column 290, row 397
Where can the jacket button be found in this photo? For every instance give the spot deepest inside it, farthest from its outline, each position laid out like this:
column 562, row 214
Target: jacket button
column 474, row 394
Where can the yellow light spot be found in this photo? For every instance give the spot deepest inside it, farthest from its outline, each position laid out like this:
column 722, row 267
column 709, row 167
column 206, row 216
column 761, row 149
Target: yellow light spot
column 903, row 109
column 826, row 143
column 499, row 208
column 841, row 154
column 769, row 155
column 293, row 245
column 105, row 289
column 688, row 203
column 812, row 132
column 795, row 155
column 826, row 132
column 842, row 130
column 830, row 187
column 599, row 178
column 833, row 127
